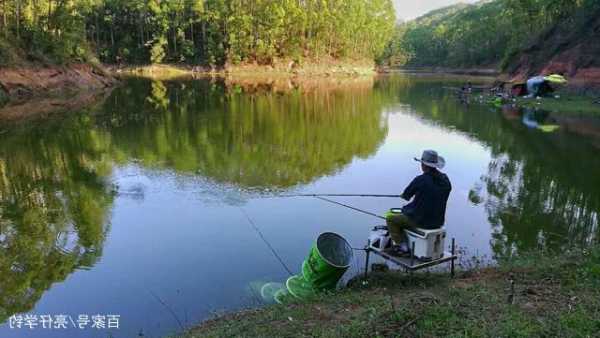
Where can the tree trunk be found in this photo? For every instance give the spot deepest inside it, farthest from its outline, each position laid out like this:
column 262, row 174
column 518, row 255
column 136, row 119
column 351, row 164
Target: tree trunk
column 34, row 13
column 97, row 33
column 49, row 15
column 4, row 28
column 175, row 41
column 203, row 28
column 141, row 26
column 192, row 35
column 18, row 9
column 174, row 30
column 112, row 35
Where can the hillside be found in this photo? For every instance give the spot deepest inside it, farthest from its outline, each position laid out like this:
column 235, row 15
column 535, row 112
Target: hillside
column 516, row 37
column 461, row 35
column 569, row 47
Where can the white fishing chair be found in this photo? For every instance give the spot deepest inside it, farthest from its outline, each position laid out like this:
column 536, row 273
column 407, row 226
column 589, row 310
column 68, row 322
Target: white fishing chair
column 428, row 244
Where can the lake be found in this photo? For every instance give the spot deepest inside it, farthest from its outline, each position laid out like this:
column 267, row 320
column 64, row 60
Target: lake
column 136, row 206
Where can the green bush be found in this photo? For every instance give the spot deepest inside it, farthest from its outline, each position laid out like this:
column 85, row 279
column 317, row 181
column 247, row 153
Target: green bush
column 157, row 53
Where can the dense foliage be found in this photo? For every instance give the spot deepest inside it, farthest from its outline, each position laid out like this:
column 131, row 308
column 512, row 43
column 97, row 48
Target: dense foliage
column 195, row 31
column 483, row 34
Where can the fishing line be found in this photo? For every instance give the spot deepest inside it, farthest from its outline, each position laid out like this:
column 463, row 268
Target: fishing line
column 266, row 242
column 321, row 197
column 168, row 308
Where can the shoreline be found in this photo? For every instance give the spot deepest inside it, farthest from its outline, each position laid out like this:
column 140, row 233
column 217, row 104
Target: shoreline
column 280, row 69
column 532, row 295
column 26, row 85
column 584, row 80
column 579, row 97
column 480, row 72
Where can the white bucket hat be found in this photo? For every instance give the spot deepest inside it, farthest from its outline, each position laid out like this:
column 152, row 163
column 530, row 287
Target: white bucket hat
column 431, row 159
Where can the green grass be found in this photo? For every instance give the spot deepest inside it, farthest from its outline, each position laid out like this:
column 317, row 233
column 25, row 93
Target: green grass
column 568, row 104
column 553, row 295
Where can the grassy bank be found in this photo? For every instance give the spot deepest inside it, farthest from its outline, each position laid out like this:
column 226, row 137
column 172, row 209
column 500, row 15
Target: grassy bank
column 565, row 103
column 568, row 103
column 539, row 295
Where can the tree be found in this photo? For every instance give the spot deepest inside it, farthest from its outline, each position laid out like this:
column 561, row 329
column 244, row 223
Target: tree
column 211, row 32
column 481, row 34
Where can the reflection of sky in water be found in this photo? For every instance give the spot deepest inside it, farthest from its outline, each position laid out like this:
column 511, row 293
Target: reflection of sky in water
column 392, row 168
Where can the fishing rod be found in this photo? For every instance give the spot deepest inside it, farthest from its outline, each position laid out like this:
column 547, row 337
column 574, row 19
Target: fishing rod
column 339, row 195
column 349, row 207
column 363, row 211
column 322, row 197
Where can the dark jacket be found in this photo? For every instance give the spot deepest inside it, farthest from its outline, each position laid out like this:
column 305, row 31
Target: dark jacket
column 430, row 191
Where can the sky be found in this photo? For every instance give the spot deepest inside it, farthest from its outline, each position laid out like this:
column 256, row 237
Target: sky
column 410, row 9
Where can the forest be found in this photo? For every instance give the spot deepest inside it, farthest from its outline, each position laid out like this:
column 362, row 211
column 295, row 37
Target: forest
column 487, row 33
column 205, row 32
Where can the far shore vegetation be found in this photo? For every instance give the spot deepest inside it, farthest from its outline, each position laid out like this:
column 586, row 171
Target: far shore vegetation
column 210, row 33
column 493, row 34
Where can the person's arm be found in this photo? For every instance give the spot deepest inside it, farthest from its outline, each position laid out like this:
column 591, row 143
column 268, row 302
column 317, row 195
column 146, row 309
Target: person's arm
column 411, row 190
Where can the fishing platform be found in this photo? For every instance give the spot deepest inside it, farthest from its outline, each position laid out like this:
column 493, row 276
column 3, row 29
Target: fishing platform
column 426, row 250
column 426, row 245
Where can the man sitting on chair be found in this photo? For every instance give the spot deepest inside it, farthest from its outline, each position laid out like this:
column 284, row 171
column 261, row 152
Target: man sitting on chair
column 428, row 208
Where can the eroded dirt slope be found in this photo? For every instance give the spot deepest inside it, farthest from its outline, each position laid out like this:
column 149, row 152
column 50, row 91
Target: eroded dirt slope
column 22, row 83
column 572, row 49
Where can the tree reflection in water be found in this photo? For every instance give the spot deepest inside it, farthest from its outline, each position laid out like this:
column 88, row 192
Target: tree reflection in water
column 530, row 208
column 54, row 207
column 55, row 195
column 251, row 138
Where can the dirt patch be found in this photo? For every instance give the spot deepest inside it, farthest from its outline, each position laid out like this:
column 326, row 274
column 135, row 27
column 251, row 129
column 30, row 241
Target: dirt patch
column 24, row 83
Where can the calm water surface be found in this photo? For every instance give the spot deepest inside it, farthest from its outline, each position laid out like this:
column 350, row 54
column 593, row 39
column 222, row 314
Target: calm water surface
column 141, row 198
